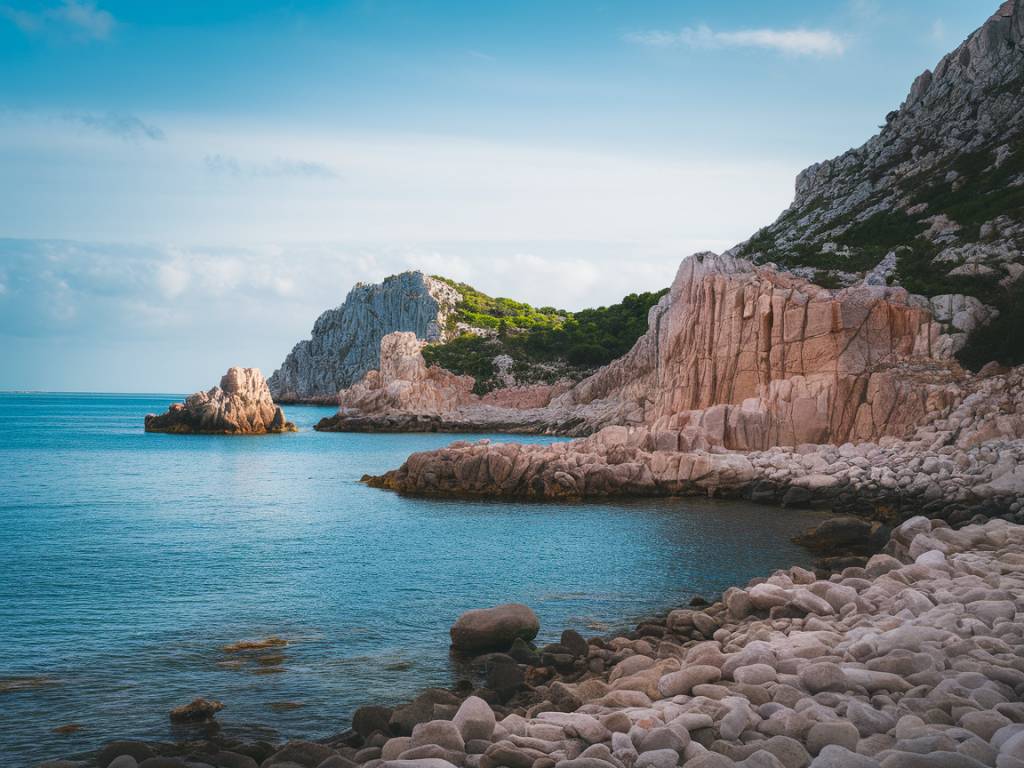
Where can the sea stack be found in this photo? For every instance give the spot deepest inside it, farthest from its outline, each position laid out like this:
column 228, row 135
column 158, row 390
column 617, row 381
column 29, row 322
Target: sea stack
column 241, row 405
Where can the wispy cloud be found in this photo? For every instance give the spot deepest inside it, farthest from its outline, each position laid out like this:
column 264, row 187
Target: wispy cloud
column 938, row 31
column 795, row 42
column 227, row 165
column 123, row 126
column 82, row 19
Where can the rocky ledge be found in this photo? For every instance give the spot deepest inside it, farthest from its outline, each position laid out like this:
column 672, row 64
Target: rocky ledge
column 241, row 405
column 911, row 660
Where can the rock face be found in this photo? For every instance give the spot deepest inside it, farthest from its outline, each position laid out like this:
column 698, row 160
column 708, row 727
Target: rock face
column 241, row 405
column 937, row 195
column 345, row 343
column 405, row 395
column 736, row 356
column 495, row 628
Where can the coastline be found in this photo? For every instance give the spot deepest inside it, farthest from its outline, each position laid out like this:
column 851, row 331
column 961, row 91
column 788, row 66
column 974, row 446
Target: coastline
column 562, row 681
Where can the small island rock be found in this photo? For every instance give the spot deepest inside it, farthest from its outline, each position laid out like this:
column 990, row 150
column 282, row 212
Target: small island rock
column 241, row 405
column 485, row 629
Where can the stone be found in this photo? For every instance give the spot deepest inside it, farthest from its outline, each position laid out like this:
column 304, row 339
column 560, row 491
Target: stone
column 494, row 628
column 838, row 733
column 135, row 749
column 475, row 719
column 443, row 733
column 683, row 681
column 658, row 758
column 822, row 676
column 304, row 753
column 198, row 710
column 755, row 674
column 370, row 719
column 837, row 756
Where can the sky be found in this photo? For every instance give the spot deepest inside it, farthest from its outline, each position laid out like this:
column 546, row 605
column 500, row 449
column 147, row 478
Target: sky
column 185, row 186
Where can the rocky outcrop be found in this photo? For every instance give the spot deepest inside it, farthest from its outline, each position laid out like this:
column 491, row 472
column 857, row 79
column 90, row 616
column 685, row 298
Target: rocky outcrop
column 241, row 405
column 736, row 356
column 965, row 458
column 406, row 395
column 345, row 342
column 938, row 192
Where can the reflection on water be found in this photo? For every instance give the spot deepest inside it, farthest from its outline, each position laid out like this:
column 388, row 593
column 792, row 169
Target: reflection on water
column 131, row 562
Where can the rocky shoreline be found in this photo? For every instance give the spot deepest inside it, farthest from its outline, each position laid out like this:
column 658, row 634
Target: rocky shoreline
column 909, row 658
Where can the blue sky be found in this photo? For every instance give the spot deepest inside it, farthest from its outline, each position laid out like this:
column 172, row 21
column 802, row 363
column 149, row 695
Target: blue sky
column 230, row 169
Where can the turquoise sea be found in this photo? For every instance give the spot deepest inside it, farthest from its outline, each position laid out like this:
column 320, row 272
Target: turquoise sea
column 127, row 562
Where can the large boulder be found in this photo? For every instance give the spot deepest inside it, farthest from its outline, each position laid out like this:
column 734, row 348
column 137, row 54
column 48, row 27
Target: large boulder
column 484, row 629
column 241, row 405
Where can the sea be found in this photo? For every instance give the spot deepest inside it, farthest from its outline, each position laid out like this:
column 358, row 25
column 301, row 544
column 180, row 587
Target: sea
column 131, row 562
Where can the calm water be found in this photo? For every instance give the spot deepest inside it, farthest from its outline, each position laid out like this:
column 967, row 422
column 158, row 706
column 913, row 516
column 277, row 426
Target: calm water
column 129, row 560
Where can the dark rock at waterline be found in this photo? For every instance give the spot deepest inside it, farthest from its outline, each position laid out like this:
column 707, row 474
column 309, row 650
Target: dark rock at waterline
column 234, row 760
column 162, row 762
column 115, row 749
column 419, row 710
column 504, row 676
column 367, row 720
column 495, row 628
column 197, row 711
column 574, row 642
column 844, row 534
column 523, row 652
column 304, row 753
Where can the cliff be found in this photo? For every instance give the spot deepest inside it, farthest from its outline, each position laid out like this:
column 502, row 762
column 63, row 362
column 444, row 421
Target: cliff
column 241, row 405
column 935, row 201
column 345, row 342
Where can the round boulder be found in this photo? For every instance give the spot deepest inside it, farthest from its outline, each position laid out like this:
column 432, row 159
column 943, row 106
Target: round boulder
column 484, row 629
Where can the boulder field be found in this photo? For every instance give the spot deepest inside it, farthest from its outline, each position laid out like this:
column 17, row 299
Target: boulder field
column 914, row 659
column 241, row 405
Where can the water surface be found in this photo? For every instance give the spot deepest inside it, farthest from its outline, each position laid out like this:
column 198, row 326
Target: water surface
column 129, row 560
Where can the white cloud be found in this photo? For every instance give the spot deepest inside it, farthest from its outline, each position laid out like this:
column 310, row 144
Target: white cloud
column 86, row 18
column 226, row 165
column 794, row 42
column 938, row 31
column 80, row 19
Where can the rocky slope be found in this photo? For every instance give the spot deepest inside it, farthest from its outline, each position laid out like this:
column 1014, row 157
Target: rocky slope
column 935, row 201
column 241, row 405
column 345, row 342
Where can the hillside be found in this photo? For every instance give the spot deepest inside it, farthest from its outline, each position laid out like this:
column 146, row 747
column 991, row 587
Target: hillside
column 534, row 345
column 934, row 202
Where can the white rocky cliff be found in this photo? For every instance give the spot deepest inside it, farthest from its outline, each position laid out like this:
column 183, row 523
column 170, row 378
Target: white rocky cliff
column 345, row 342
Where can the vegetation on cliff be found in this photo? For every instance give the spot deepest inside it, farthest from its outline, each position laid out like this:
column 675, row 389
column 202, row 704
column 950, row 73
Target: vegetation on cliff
column 545, row 343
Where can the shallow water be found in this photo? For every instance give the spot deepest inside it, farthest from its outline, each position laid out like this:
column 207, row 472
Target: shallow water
column 129, row 560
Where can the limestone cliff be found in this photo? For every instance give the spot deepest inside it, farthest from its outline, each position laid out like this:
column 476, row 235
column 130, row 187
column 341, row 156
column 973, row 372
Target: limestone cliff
column 241, row 405
column 934, row 201
column 345, row 342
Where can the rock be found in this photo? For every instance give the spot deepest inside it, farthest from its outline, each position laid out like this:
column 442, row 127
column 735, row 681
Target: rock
column 836, row 756
column 755, row 674
column 494, row 628
column 370, row 719
column 443, row 733
column 345, row 341
column 198, row 710
column 659, row 758
column 304, row 753
column 574, row 642
column 241, row 405
column 504, row 676
column 135, row 749
column 822, row 676
column 475, row 719
column 683, row 681
column 840, row 734
column 124, row 761
column 420, row 710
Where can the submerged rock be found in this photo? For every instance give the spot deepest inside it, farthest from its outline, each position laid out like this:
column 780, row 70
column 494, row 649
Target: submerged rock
column 197, row 711
column 241, row 405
